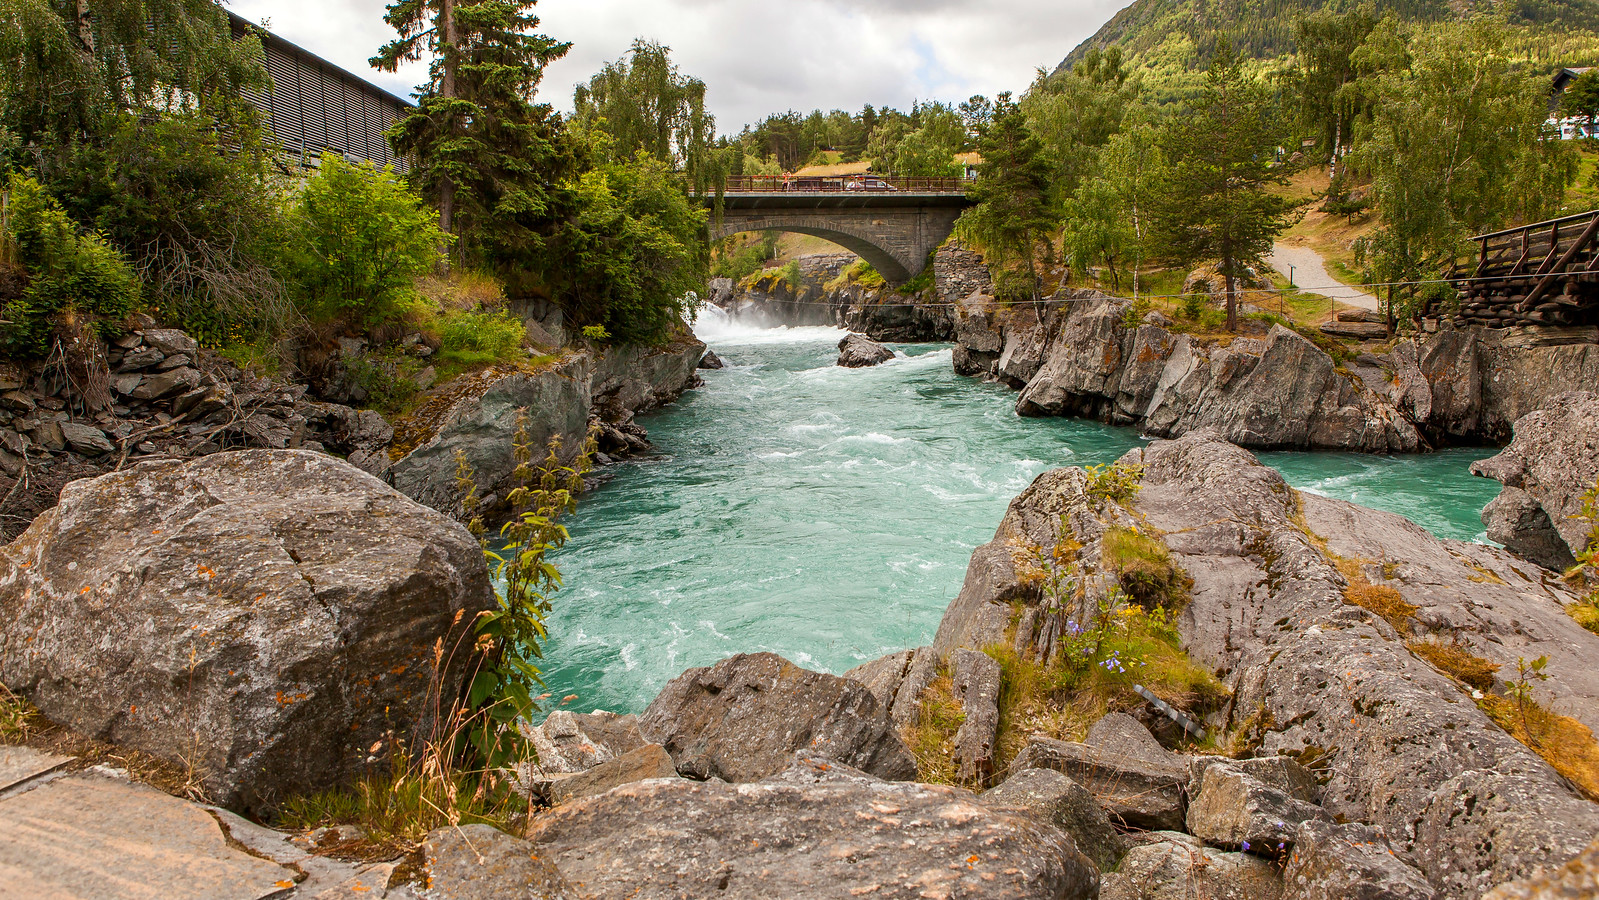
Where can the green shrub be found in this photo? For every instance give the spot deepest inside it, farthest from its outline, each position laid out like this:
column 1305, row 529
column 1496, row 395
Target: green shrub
column 68, row 273
column 363, row 238
column 496, row 335
column 1114, row 481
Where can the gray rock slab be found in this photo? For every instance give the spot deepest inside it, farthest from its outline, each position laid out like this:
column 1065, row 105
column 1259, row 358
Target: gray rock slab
column 1138, row 782
column 977, row 680
column 1065, row 804
column 22, row 764
column 1173, row 866
column 745, row 718
column 1349, row 862
column 1235, row 810
column 648, row 761
column 477, row 862
column 90, row 838
column 826, row 833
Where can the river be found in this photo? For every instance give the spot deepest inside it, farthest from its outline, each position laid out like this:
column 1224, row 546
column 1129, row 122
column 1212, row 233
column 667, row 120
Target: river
column 828, row 514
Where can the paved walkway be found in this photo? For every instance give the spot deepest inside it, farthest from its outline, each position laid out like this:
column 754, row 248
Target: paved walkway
column 1312, row 277
column 92, row 835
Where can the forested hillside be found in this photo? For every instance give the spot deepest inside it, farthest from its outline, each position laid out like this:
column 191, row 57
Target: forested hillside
column 1182, row 34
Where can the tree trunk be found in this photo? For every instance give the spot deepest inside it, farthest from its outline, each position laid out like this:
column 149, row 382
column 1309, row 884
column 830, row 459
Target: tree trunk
column 451, row 49
column 1338, row 143
column 1232, row 298
column 85, row 27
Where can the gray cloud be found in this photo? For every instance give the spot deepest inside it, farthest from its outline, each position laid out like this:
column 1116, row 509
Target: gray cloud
column 757, row 57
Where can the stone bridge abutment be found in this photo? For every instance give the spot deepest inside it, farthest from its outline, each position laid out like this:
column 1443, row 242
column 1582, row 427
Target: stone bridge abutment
column 895, row 232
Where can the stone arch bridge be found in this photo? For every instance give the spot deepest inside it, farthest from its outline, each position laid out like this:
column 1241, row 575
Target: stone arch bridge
column 893, row 223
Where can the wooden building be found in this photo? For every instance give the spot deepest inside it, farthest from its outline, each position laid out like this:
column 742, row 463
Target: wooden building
column 314, row 106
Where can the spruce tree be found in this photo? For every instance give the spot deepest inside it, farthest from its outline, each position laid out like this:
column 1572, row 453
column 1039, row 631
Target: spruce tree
column 1217, row 201
column 481, row 148
column 1012, row 213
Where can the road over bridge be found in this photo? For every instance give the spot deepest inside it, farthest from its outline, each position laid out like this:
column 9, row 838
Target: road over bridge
column 893, row 223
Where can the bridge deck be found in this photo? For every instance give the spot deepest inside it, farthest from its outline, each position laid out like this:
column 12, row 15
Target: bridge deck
column 841, row 200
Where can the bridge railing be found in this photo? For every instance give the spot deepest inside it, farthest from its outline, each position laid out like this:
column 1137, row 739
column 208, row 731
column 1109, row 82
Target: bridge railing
column 844, row 184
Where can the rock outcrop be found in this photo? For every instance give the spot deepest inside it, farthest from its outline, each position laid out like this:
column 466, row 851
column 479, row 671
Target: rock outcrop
column 857, row 351
column 477, row 415
column 1549, row 467
column 1139, row 783
column 1398, row 744
column 263, row 617
column 816, row 831
column 743, row 720
column 1082, row 353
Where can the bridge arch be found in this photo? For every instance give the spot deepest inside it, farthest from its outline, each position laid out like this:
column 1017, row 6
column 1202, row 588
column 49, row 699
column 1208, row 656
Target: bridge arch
column 896, row 232
column 893, row 269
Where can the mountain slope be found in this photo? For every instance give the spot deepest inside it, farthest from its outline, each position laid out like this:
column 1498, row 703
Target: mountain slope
column 1264, row 29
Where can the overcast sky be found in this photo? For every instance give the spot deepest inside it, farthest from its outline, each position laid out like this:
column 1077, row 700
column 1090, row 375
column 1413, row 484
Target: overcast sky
column 756, row 56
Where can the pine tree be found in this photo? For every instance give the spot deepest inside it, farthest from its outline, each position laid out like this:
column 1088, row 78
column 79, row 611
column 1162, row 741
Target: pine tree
column 1217, row 203
column 481, row 145
column 1012, row 213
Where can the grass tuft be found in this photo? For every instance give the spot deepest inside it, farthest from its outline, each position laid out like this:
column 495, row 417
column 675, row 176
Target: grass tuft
column 1383, row 600
column 932, row 738
column 1144, row 569
column 1457, row 661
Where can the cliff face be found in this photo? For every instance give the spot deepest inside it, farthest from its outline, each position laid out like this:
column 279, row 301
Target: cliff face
column 477, row 415
column 1087, row 357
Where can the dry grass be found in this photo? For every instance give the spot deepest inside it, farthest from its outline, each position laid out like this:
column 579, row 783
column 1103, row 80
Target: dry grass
column 1383, row 600
column 931, row 738
column 462, row 290
column 1565, row 743
column 23, row 725
column 1028, row 706
column 1457, row 661
column 1586, row 612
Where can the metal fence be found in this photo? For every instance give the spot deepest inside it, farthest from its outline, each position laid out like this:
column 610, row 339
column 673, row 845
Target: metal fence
column 844, row 184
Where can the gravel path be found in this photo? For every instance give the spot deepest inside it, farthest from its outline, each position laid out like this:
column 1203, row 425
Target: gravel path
column 1312, row 277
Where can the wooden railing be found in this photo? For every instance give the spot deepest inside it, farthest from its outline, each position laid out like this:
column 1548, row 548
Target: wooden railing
column 1539, row 255
column 844, row 184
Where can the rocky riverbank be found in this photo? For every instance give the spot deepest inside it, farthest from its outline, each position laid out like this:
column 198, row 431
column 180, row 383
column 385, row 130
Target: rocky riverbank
column 1361, row 754
column 162, row 397
column 1085, row 354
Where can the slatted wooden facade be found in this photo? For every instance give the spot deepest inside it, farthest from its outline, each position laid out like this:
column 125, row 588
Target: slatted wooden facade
column 1546, row 273
column 314, row 106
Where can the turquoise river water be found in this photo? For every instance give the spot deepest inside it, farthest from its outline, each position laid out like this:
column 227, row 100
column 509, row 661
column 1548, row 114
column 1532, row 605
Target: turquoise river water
column 828, row 514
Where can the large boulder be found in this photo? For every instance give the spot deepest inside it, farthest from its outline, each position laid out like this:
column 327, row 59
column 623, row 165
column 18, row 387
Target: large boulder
column 817, row 830
column 1138, row 782
column 478, row 862
column 744, row 718
column 1174, row 866
column 858, row 351
column 1553, row 462
column 1349, row 862
column 898, row 680
column 1576, row 880
column 1064, row 803
column 1234, row 809
column 1395, row 742
column 271, row 619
